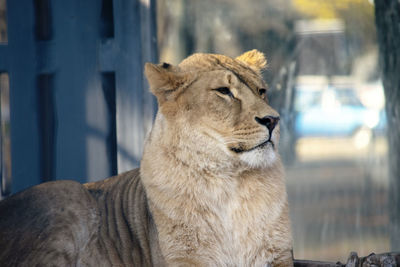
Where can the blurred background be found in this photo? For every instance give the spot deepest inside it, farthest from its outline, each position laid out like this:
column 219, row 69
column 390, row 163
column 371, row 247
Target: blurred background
column 74, row 102
column 324, row 79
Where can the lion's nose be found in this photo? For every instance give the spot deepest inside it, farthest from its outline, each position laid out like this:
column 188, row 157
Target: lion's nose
column 268, row 121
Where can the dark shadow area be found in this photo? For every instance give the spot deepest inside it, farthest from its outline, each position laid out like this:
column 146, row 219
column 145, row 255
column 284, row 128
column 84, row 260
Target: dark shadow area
column 47, row 125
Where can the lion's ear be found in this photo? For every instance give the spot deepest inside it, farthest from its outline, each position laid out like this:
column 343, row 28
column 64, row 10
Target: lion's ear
column 164, row 80
column 254, row 59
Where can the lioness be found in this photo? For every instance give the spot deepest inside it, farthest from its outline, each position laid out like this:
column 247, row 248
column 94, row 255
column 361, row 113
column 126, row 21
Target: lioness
column 210, row 190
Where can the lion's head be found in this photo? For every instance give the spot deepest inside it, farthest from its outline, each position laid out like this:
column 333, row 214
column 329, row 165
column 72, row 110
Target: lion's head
column 221, row 102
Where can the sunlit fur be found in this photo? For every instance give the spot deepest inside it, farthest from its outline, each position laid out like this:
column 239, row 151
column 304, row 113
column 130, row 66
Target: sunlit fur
column 216, row 197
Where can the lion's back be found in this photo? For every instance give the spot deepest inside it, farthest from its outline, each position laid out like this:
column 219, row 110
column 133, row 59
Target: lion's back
column 49, row 223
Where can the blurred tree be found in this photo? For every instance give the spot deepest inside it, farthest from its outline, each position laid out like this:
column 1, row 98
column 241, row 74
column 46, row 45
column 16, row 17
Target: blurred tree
column 387, row 14
column 330, row 9
column 359, row 26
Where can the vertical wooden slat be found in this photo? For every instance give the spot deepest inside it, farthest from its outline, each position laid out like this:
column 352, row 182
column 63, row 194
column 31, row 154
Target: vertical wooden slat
column 107, row 68
column 23, row 105
column 149, row 54
column 135, row 37
column 83, row 120
column 129, row 84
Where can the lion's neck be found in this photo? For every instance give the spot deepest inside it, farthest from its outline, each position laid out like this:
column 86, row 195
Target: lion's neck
column 173, row 165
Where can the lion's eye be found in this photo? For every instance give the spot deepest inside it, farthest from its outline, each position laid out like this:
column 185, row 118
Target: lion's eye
column 262, row 91
column 224, row 91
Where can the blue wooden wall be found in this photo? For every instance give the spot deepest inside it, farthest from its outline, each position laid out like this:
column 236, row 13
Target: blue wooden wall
column 79, row 103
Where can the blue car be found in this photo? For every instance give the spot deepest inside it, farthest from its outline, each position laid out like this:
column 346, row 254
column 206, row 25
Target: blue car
column 331, row 112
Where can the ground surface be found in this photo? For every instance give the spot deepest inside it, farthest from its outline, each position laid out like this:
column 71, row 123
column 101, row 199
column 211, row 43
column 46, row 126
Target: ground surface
column 338, row 199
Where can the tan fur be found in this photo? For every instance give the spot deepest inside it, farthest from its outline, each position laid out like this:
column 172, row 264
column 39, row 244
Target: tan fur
column 206, row 193
column 212, row 206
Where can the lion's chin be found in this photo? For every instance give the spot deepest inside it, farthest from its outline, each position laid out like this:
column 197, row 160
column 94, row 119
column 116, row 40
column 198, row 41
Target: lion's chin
column 262, row 157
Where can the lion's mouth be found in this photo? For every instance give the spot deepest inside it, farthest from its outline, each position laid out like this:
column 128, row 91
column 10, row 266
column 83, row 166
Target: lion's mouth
column 263, row 144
